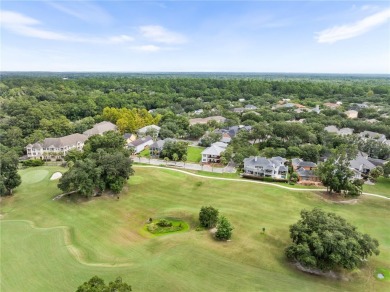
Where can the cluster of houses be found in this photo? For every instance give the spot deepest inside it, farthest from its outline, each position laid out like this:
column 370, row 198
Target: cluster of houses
column 254, row 166
column 57, row 148
column 365, row 135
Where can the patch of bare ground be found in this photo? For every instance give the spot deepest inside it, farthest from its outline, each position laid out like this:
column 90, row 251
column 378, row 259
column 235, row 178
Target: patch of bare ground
column 317, row 272
column 337, row 198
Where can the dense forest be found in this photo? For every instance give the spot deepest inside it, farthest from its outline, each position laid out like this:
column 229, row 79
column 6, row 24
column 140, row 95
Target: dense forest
column 36, row 106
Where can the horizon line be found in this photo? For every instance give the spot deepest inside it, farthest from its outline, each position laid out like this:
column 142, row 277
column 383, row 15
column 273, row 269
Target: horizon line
column 187, row 72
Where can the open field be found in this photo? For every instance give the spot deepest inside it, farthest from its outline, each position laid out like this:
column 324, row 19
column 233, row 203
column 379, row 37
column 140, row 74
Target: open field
column 106, row 231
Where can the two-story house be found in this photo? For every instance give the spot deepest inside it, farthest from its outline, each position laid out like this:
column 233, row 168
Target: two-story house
column 264, row 167
column 55, row 148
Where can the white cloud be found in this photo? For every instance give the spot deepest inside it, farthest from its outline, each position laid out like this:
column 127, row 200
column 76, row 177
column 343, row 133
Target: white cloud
column 83, row 10
column 147, row 48
column 160, row 34
column 121, row 39
column 347, row 31
column 27, row 26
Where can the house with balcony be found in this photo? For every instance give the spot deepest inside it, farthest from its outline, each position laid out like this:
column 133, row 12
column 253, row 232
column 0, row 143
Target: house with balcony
column 263, row 167
column 213, row 153
column 55, row 148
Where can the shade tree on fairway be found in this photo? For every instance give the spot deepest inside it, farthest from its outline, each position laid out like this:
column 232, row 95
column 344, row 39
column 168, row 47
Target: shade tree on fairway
column 9, row 177
column 327, row 241
column 98, row 172
column 104, row 165
column 224, row 229
column 96, row 284
column 208, row 217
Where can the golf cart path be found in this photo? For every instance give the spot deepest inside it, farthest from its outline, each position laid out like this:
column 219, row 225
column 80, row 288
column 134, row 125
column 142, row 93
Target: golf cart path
column 249, row 181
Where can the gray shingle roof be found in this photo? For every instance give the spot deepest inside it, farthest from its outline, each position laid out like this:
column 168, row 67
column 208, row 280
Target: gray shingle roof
column 213, row 150
column 138, row 142
column 64, row 141
column 360, row 160
column 146, row 128
column 100, row 128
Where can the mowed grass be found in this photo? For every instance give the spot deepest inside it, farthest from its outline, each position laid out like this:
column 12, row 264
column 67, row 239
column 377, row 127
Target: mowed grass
column 106, row 231
column 381, row 187
column 194, row 154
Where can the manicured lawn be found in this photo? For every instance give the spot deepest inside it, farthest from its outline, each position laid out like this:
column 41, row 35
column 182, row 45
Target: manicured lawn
column 194, row 154
column 106, row 231
column 381, row 187
column 144, row 153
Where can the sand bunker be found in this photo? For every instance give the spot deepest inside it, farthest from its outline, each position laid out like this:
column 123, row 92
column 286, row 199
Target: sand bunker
column 56, row 175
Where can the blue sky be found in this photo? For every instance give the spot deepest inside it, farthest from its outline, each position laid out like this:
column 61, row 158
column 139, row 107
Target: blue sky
column 203, row 36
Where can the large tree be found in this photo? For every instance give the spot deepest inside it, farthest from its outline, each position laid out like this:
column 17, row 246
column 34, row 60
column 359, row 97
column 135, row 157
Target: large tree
column 224, row 229
column 104, row 165
column 208, row 217
column 9, row 177
column 100, row 171
column 327, row 241
column 336, row 174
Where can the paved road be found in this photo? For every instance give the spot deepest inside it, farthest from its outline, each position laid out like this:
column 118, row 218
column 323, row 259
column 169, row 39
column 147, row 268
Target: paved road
column 187, row 165
column 257, row 182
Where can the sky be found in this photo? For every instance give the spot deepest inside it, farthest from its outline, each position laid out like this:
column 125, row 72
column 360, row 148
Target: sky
column 196, row 36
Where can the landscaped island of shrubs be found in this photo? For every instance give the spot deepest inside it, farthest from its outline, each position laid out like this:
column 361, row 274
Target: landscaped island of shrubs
column 163, row 226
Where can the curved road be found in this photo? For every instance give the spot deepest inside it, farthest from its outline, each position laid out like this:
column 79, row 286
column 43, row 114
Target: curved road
column 248, row 181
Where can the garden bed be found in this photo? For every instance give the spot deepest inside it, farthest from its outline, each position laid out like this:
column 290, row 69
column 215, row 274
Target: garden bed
column 166, row 225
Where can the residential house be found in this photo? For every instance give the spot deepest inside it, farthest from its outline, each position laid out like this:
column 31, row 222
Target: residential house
column 373, row 135
column 100, row 128
column 129, row 137
column 331, row 129
column 238, row 110
column 263, row 167
column 157, row 147
column 341, row 132
column 345, row 131
column 361, row 165
column 307, row 175
column 56, row 148
column 299, row 163
column 316, row 109
column 149, row 129
column 332, row 105
column 218, row 119
column 358, row 106
column 351, row 114
column 213, row 153
column 250, row 107
column 140, row 144
column 241, row 99
column 305, row 169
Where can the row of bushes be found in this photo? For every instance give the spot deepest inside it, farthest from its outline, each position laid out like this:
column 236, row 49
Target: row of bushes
column 33, row 163
column 264, row 178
